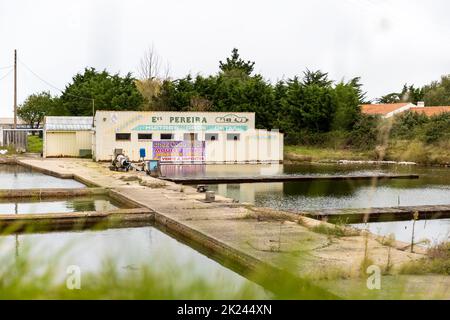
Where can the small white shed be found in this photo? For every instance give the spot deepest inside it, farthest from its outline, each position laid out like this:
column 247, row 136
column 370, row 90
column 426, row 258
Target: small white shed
column 68, row 137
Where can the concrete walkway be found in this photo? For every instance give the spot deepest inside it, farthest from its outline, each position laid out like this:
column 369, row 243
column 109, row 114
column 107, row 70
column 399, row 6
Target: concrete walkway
column 247, row 235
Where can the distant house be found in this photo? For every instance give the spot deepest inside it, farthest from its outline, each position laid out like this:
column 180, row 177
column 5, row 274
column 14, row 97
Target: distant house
column 391, row 109
column 386, row 110
column 431, row 111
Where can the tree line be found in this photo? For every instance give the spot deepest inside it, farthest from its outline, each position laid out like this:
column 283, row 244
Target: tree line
column 305, row 107
column 437, row 93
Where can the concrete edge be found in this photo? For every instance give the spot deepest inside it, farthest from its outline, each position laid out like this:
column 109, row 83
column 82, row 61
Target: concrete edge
column 249, row 263
column 73, row 176
column 71, row 215
column 51, row 193
column 15, row 224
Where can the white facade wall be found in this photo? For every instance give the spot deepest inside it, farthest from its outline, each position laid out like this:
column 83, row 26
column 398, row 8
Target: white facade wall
column 251, row 146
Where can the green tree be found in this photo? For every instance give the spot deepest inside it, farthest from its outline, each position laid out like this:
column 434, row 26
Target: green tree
column 365, row 132
column 347, row 98
column 307, row 105
column 408, row 94
column 235, row 64
column 250, row 94
column 110, row 92
column 393, row 97
column 36, row 107
column 411, row 94
column 317, row 78
column 438, row 92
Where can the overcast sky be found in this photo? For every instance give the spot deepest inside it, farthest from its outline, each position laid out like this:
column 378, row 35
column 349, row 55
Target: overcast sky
column 386, row 42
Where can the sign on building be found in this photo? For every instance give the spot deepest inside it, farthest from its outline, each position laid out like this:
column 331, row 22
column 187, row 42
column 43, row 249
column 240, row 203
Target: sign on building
column 179, row 151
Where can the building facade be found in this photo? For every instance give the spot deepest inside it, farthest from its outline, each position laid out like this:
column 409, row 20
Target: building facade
column 68, row 137
column 185, row 137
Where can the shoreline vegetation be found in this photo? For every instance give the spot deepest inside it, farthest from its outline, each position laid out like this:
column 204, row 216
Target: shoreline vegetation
column 407, row 152
column 321, row 118
column 400, row 152
column 408, row 137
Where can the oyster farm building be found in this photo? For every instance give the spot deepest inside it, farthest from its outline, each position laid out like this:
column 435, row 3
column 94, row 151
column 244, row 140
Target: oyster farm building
column 174, row 137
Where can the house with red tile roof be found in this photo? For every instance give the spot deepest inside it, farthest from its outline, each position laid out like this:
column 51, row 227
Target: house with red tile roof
column 386, row 110
column 431, row 111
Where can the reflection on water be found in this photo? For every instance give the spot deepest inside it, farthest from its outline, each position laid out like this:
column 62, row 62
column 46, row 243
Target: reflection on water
column 128, row 250
column 19, row 177
column 433, row 187
column 300, row 196
column 77, row 204
column 434, row 231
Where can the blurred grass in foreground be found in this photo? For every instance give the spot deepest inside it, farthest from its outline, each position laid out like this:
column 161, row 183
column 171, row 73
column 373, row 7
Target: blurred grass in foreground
column 33, row 274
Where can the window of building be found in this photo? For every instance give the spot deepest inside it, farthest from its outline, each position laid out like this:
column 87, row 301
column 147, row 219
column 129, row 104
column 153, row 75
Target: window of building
column 166, row 136
column 144, row 136
column 211, row 136
column 190, row 136
column 233, row 136
column 123, row 136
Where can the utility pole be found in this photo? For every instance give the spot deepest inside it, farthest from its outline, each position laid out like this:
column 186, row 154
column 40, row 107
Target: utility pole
column 15, row 89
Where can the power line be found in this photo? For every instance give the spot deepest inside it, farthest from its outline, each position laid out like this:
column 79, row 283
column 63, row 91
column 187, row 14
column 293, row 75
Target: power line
column 6, row 67
column 51, row 85
column 7, row 74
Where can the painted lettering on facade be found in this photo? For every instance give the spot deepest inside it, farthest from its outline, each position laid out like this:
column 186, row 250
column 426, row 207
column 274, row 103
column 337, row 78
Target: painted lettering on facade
column 176, row 151
column 192, row 128
column 231, row 118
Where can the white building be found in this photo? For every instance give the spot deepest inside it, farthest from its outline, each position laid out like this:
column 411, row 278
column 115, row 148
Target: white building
column 185, row 137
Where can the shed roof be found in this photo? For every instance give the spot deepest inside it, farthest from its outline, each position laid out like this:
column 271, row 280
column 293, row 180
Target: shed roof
column 68, row 123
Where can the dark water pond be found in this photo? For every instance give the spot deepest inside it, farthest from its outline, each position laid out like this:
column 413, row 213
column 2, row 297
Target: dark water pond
column 77, row 204
column 433, row 187
column 19, row 177
column 128, row 250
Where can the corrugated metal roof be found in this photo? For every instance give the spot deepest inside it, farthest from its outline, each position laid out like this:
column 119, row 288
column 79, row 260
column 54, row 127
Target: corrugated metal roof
column 68, row 123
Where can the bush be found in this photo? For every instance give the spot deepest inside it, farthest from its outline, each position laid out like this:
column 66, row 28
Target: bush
column 438, row 128
column 364, row 134
column 332, row 139
column 407, row 123
column 437, row 262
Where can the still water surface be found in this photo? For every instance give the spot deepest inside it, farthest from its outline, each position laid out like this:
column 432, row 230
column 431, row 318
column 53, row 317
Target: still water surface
column 77, row 204
column 432, row 188
column 19, row 177
column 128, row 250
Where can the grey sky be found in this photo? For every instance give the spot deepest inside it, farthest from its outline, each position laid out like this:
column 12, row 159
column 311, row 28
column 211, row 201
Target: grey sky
column 385, row 42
